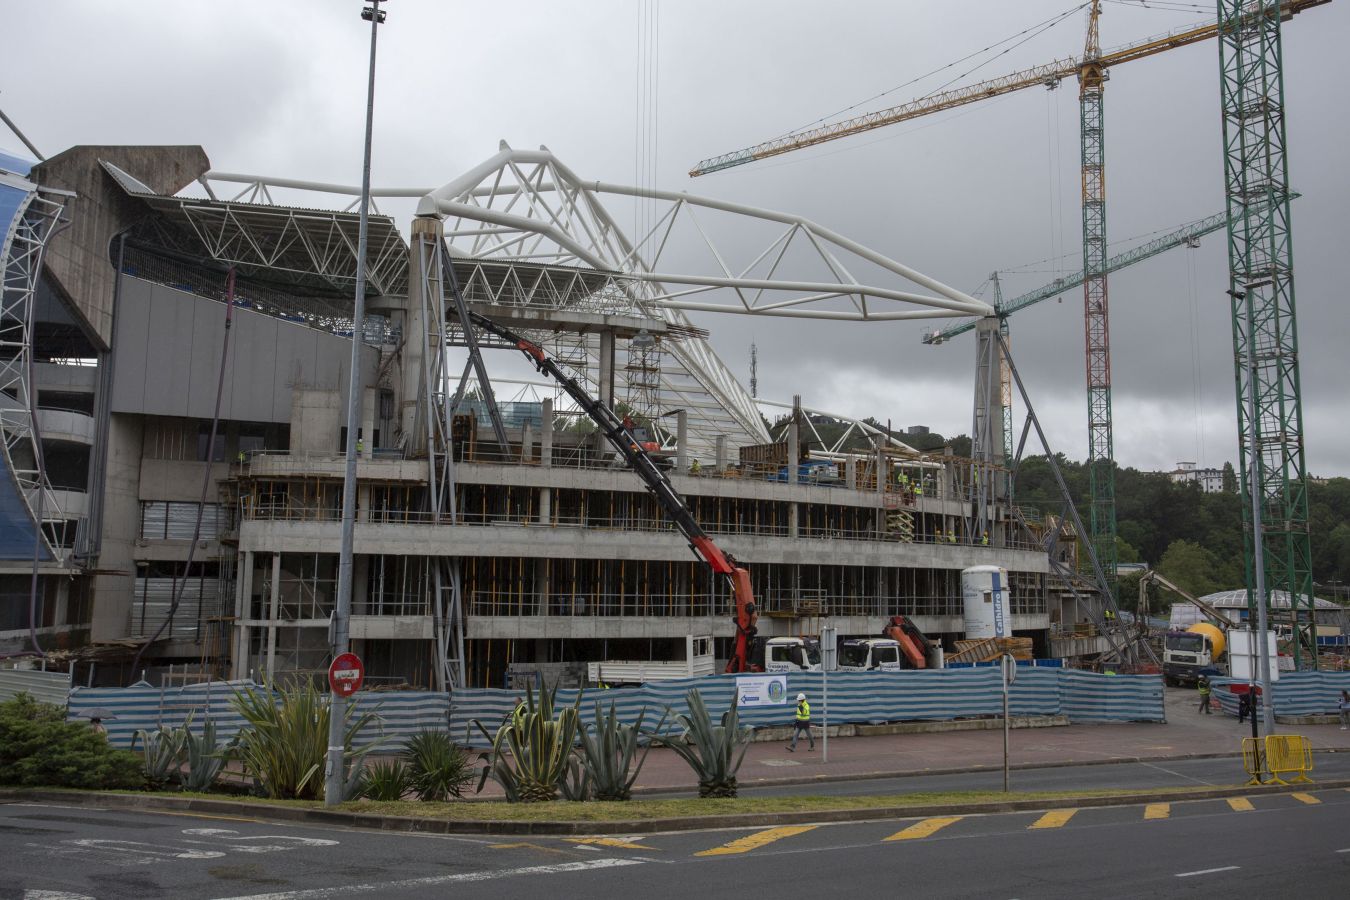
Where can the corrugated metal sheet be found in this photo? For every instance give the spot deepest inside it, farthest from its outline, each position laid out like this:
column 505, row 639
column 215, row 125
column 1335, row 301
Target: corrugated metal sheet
column 47, row 687
column 399, row 714
column 1295, row 694
column 861, row 697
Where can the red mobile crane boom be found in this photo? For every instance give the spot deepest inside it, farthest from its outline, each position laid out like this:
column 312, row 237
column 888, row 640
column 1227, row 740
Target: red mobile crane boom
column 635, row 455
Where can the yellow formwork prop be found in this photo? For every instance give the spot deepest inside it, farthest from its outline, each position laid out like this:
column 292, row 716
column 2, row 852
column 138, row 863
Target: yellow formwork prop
column 1286, row 754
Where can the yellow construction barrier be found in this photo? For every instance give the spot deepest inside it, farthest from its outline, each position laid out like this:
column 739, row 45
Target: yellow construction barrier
column 1289, row 753
column 1253, row 760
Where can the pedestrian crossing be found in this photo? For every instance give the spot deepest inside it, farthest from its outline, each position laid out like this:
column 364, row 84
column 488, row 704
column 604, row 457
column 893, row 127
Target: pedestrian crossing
column 793, row 838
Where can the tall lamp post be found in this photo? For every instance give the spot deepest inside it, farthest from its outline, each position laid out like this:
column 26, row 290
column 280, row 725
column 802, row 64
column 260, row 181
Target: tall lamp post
column 334, row 780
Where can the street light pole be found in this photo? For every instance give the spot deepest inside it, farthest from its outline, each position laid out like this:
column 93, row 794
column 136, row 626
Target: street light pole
column 334, row 780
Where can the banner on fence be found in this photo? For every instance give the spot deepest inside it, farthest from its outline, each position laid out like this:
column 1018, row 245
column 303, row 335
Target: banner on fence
column 761, row 690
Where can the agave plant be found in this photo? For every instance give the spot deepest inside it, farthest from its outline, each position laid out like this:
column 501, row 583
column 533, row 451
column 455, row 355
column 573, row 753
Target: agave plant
column 161, row 754
column 284, row 744
column 386, row 779
column 714, row 752
column 439, row 769
column 531, row 753
column 608, row 750
column 205, row 757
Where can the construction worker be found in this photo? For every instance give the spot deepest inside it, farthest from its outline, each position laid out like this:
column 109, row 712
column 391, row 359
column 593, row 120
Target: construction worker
column 1203, row 688
column 240, row 459
column 360, row 446
column 802, row 724
column 518, row 714
column 695, row 467
column 951, row 536
column 984, row 539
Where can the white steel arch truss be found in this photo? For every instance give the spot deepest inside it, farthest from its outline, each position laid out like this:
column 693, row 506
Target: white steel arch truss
column 526, row 207
column 21, row 251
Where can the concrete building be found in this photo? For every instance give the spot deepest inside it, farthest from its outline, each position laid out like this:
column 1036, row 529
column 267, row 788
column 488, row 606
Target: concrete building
column 491, row 536
column 1210, row 480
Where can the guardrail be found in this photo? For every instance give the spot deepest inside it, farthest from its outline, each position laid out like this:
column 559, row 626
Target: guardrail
column 1276, row 755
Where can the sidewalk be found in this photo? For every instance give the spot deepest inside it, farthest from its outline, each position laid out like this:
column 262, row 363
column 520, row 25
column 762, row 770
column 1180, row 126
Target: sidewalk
column 1185, row 734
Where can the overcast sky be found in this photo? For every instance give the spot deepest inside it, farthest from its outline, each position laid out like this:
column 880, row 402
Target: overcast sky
column 278, row 88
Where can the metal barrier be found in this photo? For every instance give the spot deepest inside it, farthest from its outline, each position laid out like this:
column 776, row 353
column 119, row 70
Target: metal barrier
column 1253, row 760
column 1289, row 753
column 1276, row 755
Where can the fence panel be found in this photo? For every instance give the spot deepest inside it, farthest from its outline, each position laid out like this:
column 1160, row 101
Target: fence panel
column 46, row 687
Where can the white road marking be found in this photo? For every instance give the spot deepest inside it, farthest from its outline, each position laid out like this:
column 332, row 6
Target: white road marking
column 1346, row 850
column 143, row 849
column 53, row 895
column 1207, row 871
column 432, row 881
column 232, row 840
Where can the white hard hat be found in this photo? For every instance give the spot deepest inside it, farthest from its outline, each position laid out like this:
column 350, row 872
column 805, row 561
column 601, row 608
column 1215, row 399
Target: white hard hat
column 801, row 696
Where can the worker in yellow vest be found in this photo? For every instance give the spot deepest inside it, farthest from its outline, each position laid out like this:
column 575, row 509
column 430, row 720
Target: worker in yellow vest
column 802, row 724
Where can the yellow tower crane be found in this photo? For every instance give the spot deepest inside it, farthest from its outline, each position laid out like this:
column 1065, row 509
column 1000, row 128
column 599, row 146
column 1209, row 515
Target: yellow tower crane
column 1091, row 71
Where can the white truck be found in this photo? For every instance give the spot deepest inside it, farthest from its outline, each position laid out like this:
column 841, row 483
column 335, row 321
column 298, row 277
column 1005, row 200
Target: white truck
column 786, row 654
column 870, row 655
column 698, row 660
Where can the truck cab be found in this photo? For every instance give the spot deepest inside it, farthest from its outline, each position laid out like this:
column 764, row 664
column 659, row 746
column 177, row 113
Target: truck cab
column 1189, row 654
column 787, row 654
column 869, row 655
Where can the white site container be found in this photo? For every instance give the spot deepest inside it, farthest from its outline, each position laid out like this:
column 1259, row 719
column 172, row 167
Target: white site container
column 984, row 592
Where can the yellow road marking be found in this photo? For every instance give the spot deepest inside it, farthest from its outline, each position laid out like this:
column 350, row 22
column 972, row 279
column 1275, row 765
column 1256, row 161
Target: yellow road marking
column 1240, row 804
column 197, row 815
column 1055, row 818
column 527, row 845
column 1157, row 810
column 610, row 842
column 924, row 829
column 756, row 840
column 1305, row 798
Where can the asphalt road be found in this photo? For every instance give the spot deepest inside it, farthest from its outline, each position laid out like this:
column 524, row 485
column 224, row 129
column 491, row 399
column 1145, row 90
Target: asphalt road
column 1158, row 773
column 1193, row 849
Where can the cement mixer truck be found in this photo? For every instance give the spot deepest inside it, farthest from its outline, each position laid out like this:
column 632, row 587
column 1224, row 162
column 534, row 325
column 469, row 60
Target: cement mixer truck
column 1190, row 654
column 1197, row 651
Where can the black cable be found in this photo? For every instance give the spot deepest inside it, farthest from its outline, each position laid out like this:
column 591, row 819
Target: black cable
column 206, row 476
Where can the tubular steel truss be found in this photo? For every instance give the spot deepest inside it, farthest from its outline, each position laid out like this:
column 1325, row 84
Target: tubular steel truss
column 1265, row 333
column 21, row 253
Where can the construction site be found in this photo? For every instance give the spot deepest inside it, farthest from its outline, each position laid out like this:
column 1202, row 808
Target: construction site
column 543, row 431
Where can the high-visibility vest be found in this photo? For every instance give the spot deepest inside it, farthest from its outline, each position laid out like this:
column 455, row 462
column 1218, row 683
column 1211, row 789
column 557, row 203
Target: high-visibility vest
column 1204, row 689
column 803, row 711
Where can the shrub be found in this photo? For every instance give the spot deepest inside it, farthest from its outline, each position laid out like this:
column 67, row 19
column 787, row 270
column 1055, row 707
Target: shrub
column 161, row 755
column 711, row 751
column 38, row 748
column 531, row 753
column 205, row 757
column 284, row 744
column 608, row 749
column 439, row 769
column 384, row 780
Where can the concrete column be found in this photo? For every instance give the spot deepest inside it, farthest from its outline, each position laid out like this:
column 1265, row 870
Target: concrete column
column 546, row 460
column 721, row 454
column 851, row 472
column 243, row 596
column 793, row 440
column 527, row 443
column 546, row 433
column 426, row 231
column 360, row 584
column 607, row 368
column 368, row 423
column 879, row 443
column 682, row 441
column 273, row 617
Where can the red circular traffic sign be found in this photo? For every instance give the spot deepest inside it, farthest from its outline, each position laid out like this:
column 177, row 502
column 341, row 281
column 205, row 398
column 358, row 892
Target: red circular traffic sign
column 346, row 674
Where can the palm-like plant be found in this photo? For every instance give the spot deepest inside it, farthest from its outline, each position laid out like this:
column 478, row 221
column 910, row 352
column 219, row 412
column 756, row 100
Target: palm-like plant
column 439, row 769
column 714, row 752
column 385, row 780
column 205, row 757
column 608, row 749
column 531, row 752
column 285, row 743
column 161, row 754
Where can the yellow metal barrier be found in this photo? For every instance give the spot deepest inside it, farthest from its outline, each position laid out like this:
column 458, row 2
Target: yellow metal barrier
column 1288, row 753
column 1253, row 760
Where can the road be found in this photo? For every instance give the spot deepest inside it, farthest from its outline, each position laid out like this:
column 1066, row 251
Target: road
column 1194, row 848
